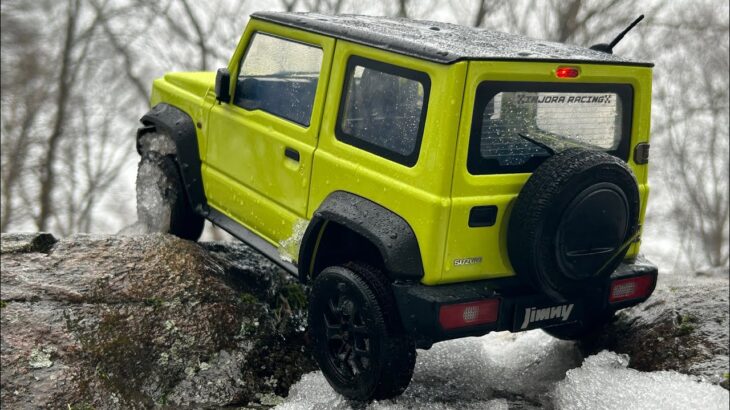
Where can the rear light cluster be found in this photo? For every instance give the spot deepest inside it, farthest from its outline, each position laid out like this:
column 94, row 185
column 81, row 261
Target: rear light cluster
column 469, row 314
column 567, row 72
column 631, row 288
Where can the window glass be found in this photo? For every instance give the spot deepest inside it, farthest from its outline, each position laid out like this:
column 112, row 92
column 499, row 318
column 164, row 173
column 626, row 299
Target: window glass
column 514, row 130
column 280, row 77
column 383, row 109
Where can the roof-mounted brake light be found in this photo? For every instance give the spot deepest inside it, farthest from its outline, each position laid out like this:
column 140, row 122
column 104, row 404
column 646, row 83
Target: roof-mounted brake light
column 567, row 72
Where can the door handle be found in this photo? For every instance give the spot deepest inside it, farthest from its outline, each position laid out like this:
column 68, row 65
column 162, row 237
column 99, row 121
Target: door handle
column 291, row 153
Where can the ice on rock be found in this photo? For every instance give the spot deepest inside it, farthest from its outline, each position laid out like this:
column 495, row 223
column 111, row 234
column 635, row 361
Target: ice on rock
column 527, row 370
column 496, row 371
column 604, row 381
column 160, row 143
column 154, row 202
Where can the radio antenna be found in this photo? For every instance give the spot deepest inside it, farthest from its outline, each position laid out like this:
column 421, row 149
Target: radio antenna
column 608, row 48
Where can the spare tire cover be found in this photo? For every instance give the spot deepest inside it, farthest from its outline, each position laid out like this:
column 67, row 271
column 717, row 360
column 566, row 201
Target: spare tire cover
column 570, row 220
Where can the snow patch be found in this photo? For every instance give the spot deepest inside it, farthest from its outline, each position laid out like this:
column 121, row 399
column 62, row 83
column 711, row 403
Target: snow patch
column 289, row 247
column 154, row 202
column 604, row 381
column 160, row 143
column 496, row 371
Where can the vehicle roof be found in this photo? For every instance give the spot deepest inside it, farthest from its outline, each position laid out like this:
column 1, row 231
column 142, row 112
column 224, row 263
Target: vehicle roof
column 440, row 42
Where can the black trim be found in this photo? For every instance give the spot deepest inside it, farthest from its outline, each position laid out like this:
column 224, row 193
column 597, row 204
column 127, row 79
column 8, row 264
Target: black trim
column 481, row 216
column 178, row 125
column 487, row 90
column 391, row 234
column 419, row 304
column 419, row 76
column 641, row 153
column 291, row 153
column 251, row 239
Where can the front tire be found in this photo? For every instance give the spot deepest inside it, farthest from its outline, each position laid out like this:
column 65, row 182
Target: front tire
column 357, row 338
column 162, row 204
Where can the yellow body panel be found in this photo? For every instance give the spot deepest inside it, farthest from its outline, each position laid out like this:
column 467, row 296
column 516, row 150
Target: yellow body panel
column 247, row 177
column 419, row 194
column 489, row 243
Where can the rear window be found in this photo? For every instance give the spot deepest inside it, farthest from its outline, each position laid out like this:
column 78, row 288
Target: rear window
column 513, row 123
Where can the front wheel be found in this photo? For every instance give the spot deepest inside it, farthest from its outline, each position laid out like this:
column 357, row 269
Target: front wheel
column 357, row 340
column 162, row 204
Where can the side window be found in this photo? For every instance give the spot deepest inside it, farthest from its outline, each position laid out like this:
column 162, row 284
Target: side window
column 383, row 109
column 280, row 77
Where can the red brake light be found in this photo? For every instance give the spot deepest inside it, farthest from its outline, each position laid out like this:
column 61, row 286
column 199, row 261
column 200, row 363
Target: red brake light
column 469, row 314
column 567, row 72
column 631, row 288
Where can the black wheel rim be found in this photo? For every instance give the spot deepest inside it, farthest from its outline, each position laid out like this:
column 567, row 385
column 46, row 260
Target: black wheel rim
column 348, row 338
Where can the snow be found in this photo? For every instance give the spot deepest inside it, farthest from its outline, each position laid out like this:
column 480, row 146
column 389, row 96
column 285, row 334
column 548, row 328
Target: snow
column 154, row 207
column 525, row 370
column 605, row 382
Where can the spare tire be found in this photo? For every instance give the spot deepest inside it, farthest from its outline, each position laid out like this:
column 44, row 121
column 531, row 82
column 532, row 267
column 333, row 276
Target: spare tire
column 571, row 220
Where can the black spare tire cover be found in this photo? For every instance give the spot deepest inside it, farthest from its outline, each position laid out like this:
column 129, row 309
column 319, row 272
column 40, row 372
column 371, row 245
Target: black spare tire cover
column 570, row 220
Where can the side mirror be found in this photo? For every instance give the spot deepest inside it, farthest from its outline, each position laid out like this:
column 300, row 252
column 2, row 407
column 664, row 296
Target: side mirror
column 223, row 85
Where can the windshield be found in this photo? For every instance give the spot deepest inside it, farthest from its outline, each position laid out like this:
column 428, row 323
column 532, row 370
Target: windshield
column 516, row 126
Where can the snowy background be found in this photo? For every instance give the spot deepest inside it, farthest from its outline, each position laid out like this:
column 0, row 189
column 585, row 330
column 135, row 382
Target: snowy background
column 76, row 76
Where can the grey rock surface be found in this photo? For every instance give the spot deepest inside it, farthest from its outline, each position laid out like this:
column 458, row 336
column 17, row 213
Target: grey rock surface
column 145, row 321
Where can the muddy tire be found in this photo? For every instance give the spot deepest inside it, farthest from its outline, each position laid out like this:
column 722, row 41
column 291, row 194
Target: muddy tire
column 162, row 204
column 356, row 334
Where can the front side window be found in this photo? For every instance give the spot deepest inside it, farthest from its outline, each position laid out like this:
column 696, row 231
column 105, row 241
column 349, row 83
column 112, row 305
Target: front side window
column 383, row 109
column 280, row 77
column 516, row 125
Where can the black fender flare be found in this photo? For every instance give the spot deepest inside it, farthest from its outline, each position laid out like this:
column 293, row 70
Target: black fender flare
column 180, row 127
column 390, row 233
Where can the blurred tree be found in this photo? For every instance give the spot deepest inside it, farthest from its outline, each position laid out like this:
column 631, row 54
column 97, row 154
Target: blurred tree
column 75, row 77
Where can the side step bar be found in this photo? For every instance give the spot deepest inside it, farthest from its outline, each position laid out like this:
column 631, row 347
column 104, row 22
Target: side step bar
column 252, row 240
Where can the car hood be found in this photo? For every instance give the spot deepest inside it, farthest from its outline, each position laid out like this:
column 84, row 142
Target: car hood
column 197, row 83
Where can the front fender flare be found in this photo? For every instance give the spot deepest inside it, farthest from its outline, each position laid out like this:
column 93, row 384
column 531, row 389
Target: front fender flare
column 391, row 234
column 178, row 125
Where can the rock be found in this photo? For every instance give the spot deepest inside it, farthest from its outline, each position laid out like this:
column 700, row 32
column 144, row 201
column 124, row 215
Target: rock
column 682, row 327
column 146, row 321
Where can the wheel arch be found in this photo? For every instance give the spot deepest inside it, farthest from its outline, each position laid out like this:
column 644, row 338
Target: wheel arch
column 363, row 228
column 179, row 126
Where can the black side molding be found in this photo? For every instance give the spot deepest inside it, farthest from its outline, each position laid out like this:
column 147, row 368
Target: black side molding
column 251, row 239
column 180, row 127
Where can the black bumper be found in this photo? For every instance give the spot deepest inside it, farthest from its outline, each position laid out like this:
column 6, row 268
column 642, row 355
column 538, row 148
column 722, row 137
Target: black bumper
column 419, row 305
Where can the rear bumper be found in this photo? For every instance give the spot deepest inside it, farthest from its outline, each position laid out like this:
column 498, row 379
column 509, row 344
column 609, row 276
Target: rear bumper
column 419, row 305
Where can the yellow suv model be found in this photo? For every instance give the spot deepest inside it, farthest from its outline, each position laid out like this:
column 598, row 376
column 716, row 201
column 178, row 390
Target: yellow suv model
column 430, row 181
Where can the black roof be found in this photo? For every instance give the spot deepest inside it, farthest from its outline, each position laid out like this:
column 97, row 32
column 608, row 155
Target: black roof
column 440, row 42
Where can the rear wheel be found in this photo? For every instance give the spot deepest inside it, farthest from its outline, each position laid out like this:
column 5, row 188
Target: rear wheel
column 162, row 204
column 356, row 334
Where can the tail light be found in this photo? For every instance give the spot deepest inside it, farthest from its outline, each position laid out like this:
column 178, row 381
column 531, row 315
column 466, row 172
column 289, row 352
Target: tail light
column 469, row 314
column 632, row 288
column 567, row 72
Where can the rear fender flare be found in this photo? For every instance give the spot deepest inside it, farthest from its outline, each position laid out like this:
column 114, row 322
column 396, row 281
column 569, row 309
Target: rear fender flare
column 391, row 234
